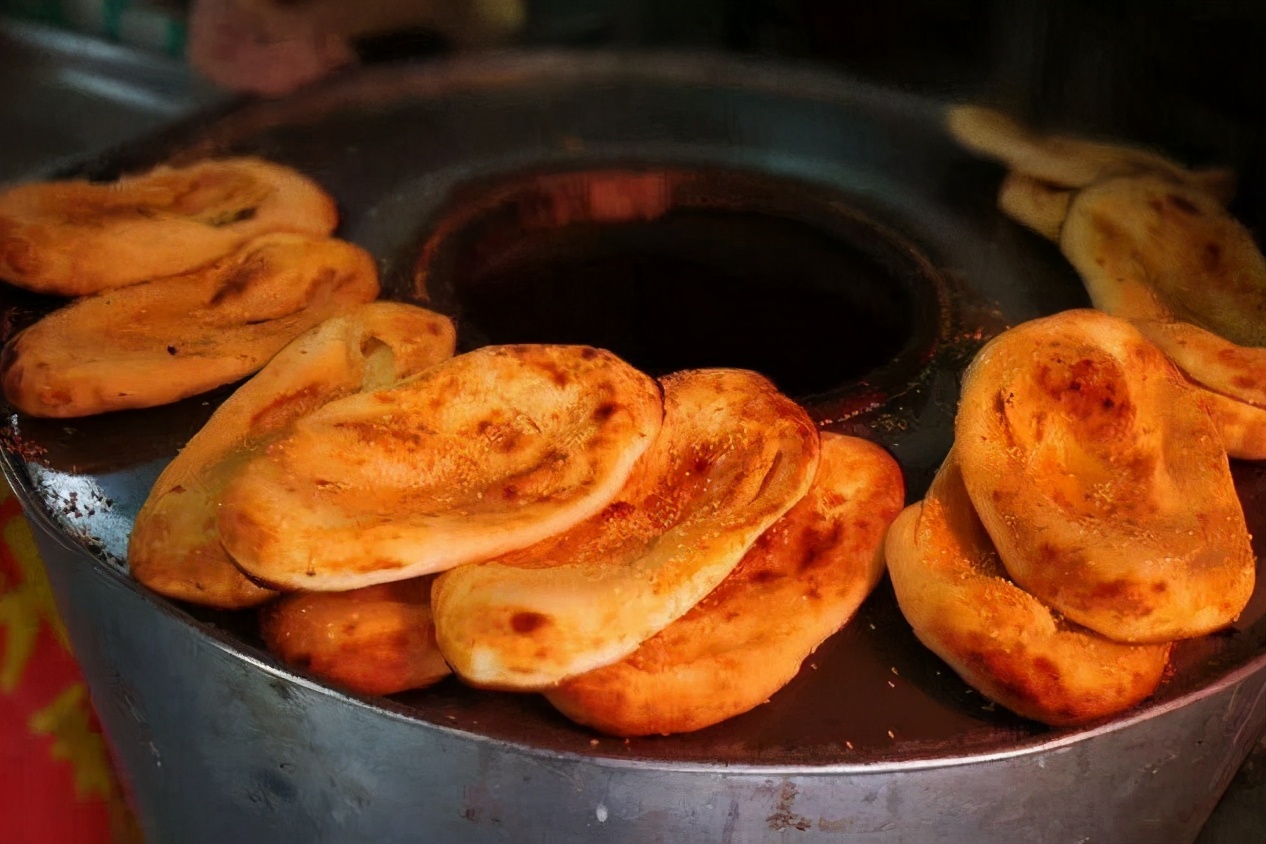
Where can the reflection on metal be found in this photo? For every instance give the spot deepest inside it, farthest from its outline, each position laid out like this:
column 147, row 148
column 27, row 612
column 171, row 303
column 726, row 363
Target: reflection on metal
column 119, row 92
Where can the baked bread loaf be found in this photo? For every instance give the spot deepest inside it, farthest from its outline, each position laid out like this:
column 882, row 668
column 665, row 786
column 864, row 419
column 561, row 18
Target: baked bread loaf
column 1070, row 162
column 953, row 589
column 378, row 640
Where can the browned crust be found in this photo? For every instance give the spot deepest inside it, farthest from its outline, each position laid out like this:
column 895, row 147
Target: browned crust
column 490, row 451
column 1149, row 248
column 1102, row 480
column 953, row 589
column 799, row 583
column 76, row 238
column 175, row 546
column 1071, row 162
column 733, row 456
column 157, row 342
column 379, row 640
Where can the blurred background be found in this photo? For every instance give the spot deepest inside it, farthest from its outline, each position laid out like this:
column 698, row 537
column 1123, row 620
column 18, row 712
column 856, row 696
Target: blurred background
column 1188, row 76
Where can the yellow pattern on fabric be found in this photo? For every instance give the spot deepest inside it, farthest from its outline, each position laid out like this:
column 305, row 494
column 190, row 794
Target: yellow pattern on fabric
column 24, row 606
column 66, row 719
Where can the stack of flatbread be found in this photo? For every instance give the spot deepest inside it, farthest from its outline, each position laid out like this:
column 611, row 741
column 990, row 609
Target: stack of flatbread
column 654, row 556
column 185, row 279
column 1084, row 519
column 1153, row 243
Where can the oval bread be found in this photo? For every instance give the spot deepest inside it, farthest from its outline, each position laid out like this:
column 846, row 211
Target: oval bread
column 733, row 455
column 375, row 641
column 1237, row 372
column 75, row 238
column 1102, row 481
column 1194, row 261
column 1038, row 205
column 954, row 592
column 801, row 582
column 164, row 340
column 1070, row 162
column 175, row 547
column 1241, row 426
column 483, row 454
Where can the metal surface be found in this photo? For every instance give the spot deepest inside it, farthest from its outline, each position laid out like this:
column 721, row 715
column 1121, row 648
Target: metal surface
column 219, row 745
column 65, row 96
column 874, row 738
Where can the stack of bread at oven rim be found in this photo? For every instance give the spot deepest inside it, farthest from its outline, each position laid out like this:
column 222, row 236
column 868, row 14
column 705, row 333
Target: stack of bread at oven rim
column 182, row 279
column 1153, row 243
column 1086, row 516
column 654, row 556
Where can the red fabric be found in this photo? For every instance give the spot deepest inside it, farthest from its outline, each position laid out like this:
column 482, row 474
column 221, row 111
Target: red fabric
column 56, row 786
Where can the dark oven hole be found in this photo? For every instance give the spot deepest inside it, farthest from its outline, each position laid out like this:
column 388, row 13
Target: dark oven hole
column 679, row 269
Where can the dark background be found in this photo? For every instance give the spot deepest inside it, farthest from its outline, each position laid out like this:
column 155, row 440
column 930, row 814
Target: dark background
column 1185, row 76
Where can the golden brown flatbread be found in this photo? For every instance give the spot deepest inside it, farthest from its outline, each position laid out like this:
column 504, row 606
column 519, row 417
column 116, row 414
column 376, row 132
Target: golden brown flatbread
column 1237, row 372
column 1038, row 205
column 175, row 547
column 76, row 238
column 483, row 454
column 732, row 457
column 1071, row 162
column 1102, row 481
column 161, row 341
column 956, row 595
column 379, row 640
column 1149, row 248
column 1241, row 426
column 801, row 582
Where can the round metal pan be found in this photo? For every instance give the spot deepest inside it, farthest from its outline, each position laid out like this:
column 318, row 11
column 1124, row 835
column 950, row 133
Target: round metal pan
column 875, row 740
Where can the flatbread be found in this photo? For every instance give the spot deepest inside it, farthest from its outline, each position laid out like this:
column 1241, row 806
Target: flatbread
column 379, row 640
column 733, row 455
column 1071, row 162
column 953, row 590
column 801, row 582
column 1038, row 205
column 161, row 341
column 175, row 547
column 483, row 454
column 1238, row 372
column 1102, row 481
column 1149, row 248
column 75, row 238
column 1241, row 426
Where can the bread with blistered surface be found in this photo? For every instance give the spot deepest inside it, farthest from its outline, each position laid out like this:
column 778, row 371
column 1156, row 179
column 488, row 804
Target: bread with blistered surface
column 481, row 455
column 955, row 593
column 75, row 238
column 801, row 582
column 733, row 455
column 161, row 341
column 175, row 547
column 1102, row 481
column 1198, row 262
